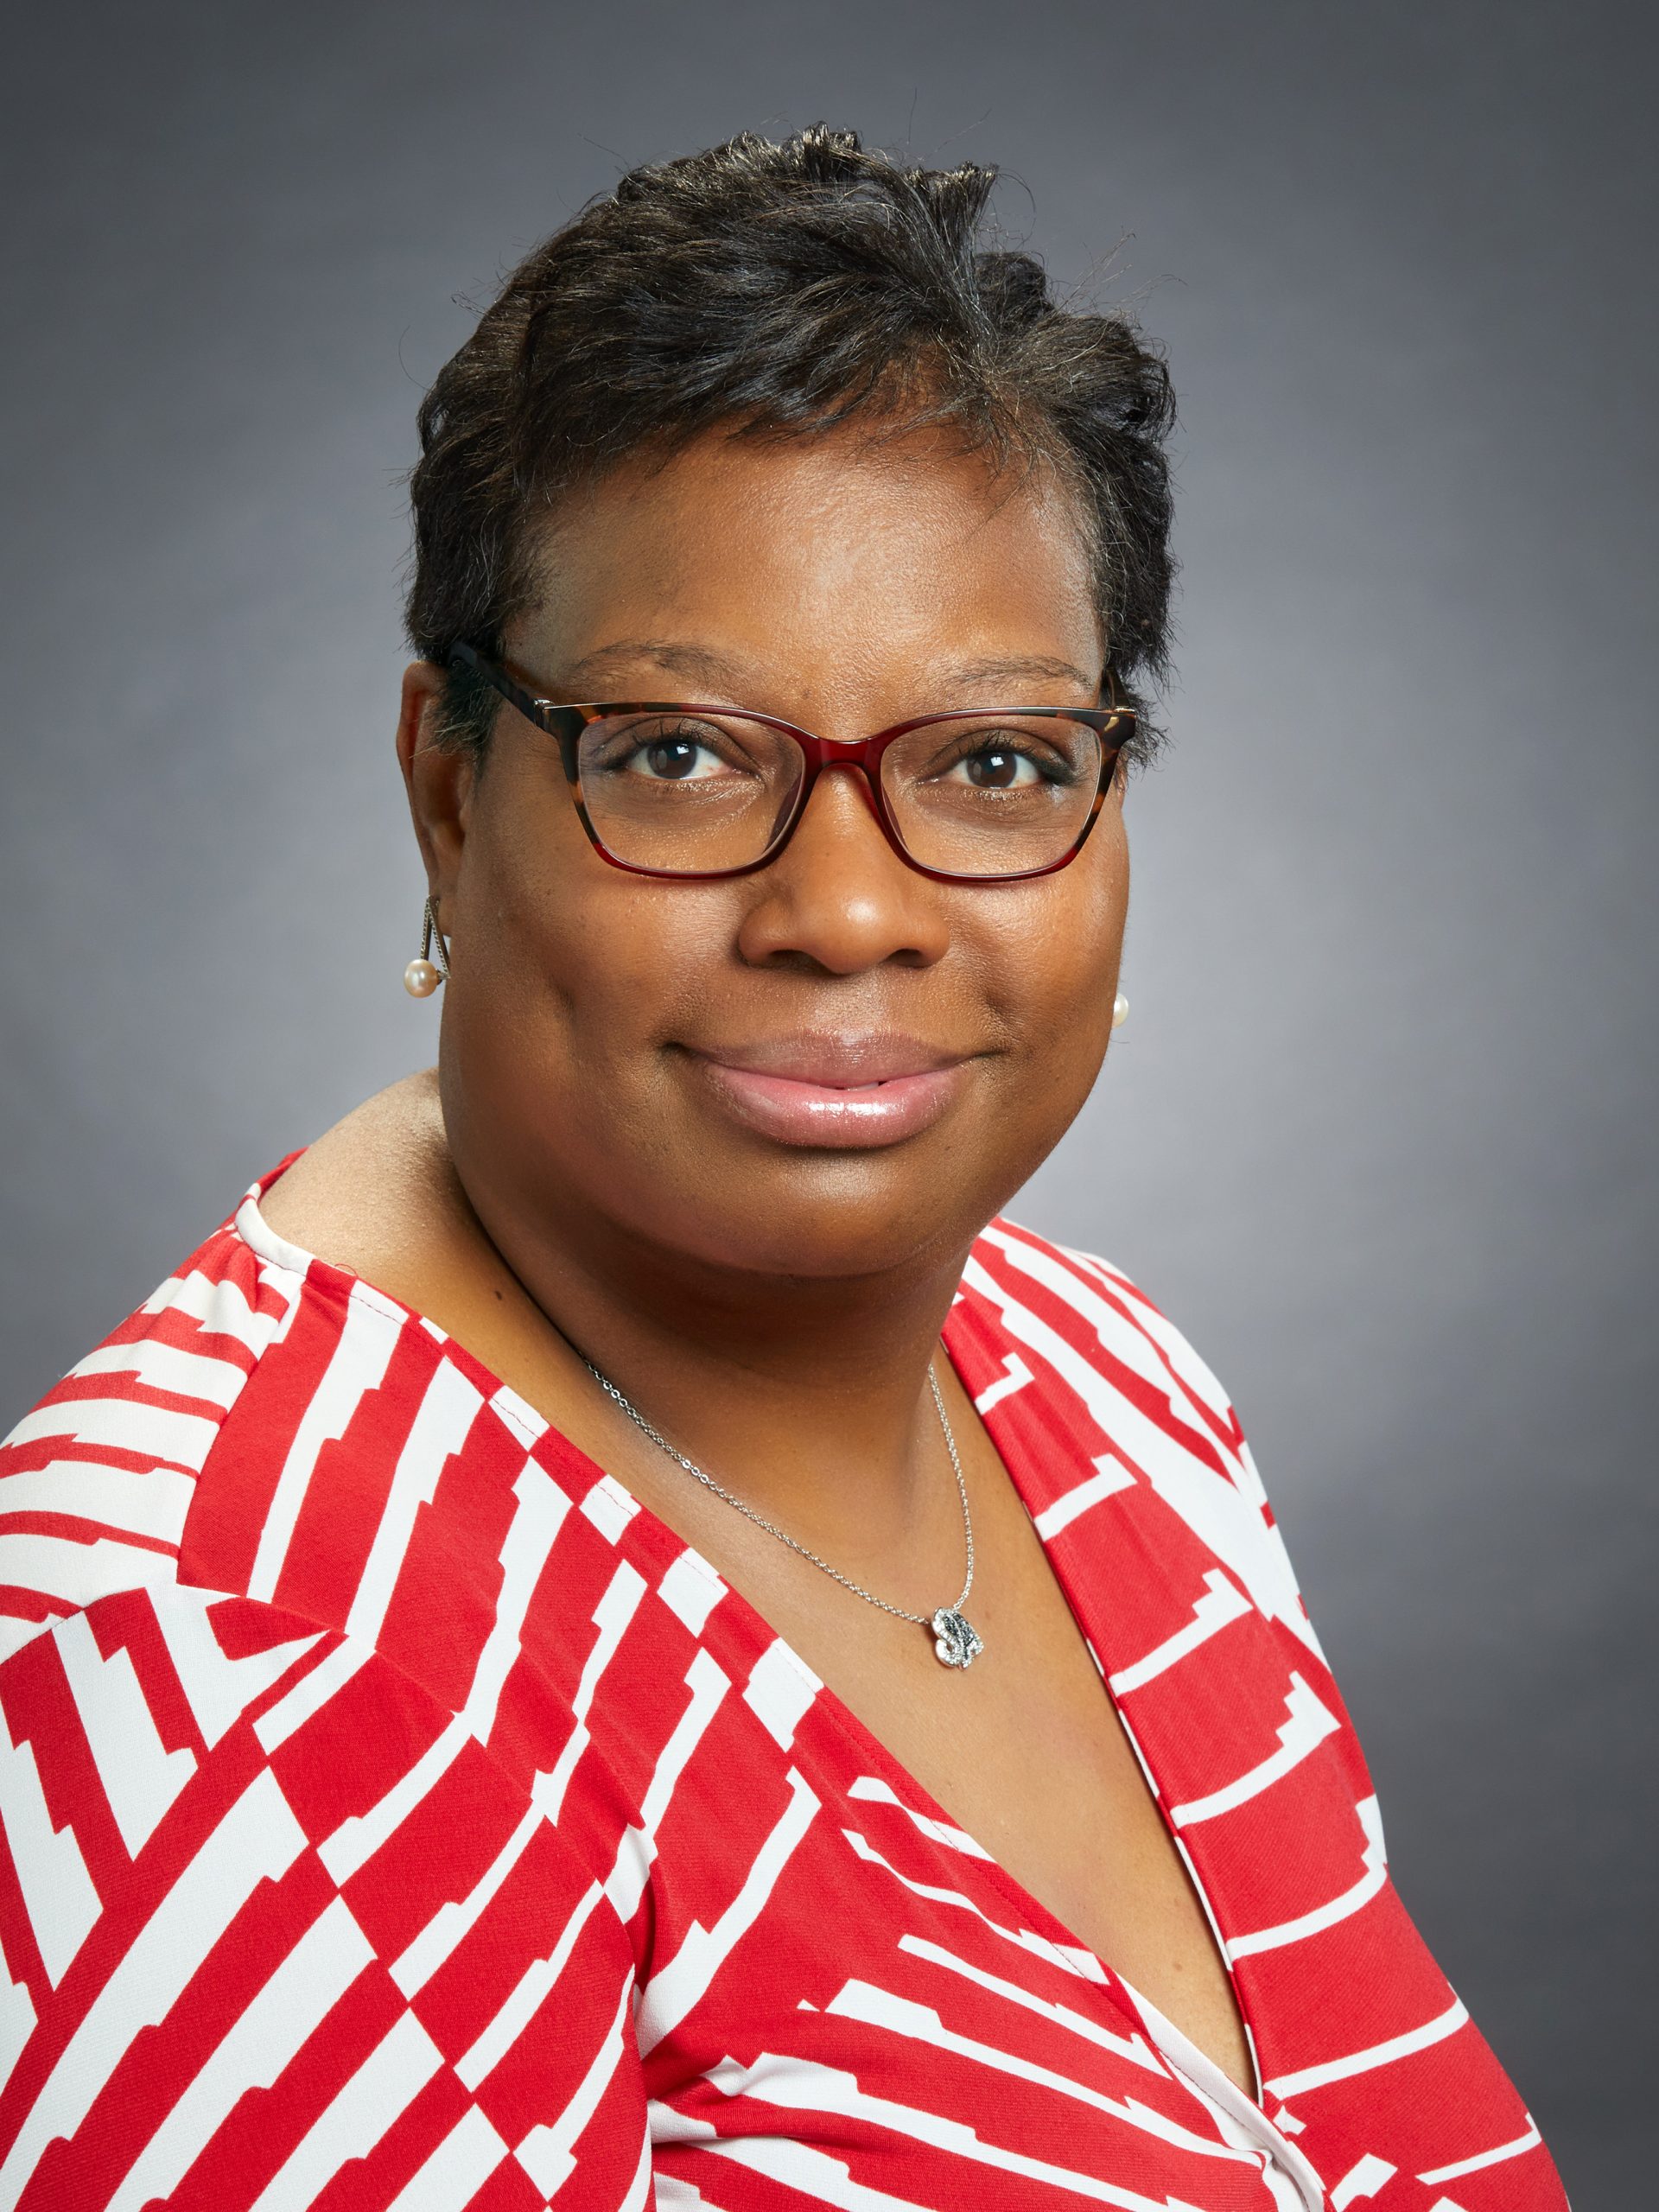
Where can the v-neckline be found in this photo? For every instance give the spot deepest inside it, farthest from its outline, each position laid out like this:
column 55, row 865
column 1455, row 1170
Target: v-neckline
column 744, row 1620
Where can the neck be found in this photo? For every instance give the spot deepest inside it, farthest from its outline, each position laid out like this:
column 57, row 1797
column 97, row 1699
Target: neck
column 808, row 1397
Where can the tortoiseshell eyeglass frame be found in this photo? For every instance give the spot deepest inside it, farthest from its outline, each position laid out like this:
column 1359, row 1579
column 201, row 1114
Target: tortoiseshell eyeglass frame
column 1114, row 724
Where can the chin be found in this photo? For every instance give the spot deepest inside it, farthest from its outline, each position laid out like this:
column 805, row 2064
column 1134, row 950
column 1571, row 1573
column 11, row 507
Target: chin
column 830, row 1217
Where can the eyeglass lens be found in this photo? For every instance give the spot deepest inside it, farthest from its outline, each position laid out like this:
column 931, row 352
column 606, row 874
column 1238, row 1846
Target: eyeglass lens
column 981, row 794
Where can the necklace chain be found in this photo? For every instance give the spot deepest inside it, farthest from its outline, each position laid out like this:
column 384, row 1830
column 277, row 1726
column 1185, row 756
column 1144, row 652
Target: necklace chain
column 922, row 1620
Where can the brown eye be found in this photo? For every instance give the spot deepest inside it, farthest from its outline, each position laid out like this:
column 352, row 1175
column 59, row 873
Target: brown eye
column 684, row 752
column 998, row 768
column 672, row 759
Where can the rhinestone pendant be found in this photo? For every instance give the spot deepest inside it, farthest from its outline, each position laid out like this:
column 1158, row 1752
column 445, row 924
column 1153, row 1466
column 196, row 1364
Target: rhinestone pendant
column 956, row 1643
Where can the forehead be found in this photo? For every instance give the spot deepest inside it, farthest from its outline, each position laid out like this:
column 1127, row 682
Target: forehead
column 837, row 552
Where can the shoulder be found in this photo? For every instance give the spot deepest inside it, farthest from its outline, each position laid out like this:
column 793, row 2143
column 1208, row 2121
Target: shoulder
column 265, row 1552
column 1095, row 1392
column 97, row 1481
column 1077, row 1310
column 377, row 1195
column 269, row 1427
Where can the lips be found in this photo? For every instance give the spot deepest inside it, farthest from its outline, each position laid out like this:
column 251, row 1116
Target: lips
column 838, row 1092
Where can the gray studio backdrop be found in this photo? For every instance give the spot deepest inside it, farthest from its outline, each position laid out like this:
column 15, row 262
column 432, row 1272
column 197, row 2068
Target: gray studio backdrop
column 1380, row 1132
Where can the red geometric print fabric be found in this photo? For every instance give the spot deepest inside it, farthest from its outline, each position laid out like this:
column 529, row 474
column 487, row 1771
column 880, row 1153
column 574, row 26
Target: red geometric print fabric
column 397, row 1815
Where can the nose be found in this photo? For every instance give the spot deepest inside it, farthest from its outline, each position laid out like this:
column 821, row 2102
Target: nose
column 838, row 897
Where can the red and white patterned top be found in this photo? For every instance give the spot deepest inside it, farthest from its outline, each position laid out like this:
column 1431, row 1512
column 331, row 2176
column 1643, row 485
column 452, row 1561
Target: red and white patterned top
column 396, row 1815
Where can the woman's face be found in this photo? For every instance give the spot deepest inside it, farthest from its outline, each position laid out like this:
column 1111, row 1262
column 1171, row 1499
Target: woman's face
column 834, row 1067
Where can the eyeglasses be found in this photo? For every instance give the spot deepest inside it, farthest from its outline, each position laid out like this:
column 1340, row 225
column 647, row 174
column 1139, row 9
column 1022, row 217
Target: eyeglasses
column 986, row 794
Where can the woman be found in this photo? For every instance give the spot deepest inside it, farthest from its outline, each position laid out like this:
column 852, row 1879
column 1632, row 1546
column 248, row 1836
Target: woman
column 563, row 1651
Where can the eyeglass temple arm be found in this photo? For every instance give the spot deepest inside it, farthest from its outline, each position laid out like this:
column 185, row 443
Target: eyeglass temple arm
column 560, row 722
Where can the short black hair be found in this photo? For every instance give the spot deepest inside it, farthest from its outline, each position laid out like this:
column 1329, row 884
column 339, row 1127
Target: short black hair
column 783, row 289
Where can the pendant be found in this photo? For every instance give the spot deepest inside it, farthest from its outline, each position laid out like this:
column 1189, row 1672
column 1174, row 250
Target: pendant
column 955, row 1643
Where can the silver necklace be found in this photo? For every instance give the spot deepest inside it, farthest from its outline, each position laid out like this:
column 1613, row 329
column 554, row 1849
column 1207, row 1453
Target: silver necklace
column 956, row 1641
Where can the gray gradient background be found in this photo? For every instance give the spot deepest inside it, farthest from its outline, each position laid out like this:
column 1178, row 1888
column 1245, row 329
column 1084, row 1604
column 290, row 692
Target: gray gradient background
column 1380, row 1131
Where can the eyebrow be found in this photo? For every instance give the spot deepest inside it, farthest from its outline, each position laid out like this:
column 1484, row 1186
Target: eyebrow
column 1038, row 668
column 703, row 665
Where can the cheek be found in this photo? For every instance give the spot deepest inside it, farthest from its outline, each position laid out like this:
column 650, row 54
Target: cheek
column 1050, row 954
column 576, row 961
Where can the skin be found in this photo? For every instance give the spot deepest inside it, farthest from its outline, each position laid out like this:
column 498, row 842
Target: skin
column 579, row 1172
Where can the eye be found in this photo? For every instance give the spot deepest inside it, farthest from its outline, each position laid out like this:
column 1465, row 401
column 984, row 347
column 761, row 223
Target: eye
column 673, row 760
column 996, row 767
column 679, row 756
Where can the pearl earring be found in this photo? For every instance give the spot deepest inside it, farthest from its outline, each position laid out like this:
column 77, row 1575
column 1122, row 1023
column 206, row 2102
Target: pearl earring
column 423, row 976
column 1120, row 1011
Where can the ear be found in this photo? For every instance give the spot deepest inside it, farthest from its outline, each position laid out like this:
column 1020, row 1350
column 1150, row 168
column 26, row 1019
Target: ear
column 438, row 778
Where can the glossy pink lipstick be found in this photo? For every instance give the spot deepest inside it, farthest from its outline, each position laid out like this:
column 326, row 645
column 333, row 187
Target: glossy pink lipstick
column 837, row 1091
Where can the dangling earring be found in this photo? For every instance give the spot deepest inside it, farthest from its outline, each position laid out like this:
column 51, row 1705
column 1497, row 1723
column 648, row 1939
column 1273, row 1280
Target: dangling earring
column 1120, row 1010
column 423, row 976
